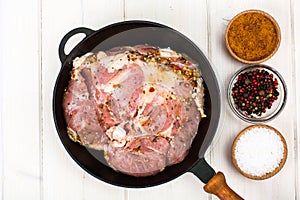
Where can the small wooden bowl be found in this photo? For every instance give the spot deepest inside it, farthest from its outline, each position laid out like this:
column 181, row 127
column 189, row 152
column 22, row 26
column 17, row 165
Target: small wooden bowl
column 267, row 175
column 265, row 57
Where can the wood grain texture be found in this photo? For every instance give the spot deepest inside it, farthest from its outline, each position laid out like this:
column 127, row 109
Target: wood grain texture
column 20, row 74
column 178, row 15
column 226, row 66
column 1, row 105
column 33, row 162
column 295, row 17
column 62, row 177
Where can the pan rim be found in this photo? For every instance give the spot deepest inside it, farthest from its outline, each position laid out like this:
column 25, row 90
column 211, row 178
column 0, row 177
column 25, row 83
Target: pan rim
column 55, row 106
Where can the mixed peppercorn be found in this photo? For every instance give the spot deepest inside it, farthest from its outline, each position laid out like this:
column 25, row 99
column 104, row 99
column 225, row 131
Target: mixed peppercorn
column 255, row 91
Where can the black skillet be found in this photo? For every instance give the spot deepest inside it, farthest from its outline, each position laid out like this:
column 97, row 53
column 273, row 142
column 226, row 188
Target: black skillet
column 133, row 33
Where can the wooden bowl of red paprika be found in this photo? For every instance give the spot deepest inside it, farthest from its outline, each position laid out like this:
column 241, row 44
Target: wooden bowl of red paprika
column 252, row 36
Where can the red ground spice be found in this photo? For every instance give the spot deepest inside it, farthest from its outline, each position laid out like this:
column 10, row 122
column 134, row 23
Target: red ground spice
column 252, row 36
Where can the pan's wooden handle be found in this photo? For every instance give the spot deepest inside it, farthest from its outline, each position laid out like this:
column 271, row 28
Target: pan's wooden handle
column 217, row 185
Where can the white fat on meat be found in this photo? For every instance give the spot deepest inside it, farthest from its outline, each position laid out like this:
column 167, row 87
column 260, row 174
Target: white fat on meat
column 114, row 62
column 154, row 74
column 78, row 61
column 167, row 133
column 167, row 53
column 118, row 135
column 198, row 96
column 110, row 86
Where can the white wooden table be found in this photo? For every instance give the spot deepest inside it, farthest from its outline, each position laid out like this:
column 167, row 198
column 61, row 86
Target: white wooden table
column 33, row 162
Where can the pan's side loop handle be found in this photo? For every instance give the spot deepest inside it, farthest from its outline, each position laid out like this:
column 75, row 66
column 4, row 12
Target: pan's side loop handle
column 61, row 48
column 217, row 185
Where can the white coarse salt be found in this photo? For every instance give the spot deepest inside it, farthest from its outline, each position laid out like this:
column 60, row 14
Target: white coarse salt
column 259, row 151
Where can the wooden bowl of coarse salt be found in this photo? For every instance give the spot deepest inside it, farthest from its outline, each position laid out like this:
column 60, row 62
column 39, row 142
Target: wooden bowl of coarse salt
column 259, row 152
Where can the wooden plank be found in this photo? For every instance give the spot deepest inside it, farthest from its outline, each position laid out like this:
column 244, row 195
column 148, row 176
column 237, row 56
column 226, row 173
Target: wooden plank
column 19, row 39
column 21, row 156
column 226, row 66
column 295, row 5
column 62, row 177
column 1, row 104
column 185, row 186
column 97, row 16
column 1, row 120
column 189, row 18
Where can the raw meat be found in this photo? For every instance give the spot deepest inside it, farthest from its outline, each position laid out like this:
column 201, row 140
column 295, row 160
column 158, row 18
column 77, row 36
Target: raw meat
column 141, row 105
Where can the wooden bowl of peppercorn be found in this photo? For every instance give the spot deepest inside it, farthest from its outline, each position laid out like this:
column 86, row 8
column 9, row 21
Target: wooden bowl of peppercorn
column 252, row 36
column 257, row 93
